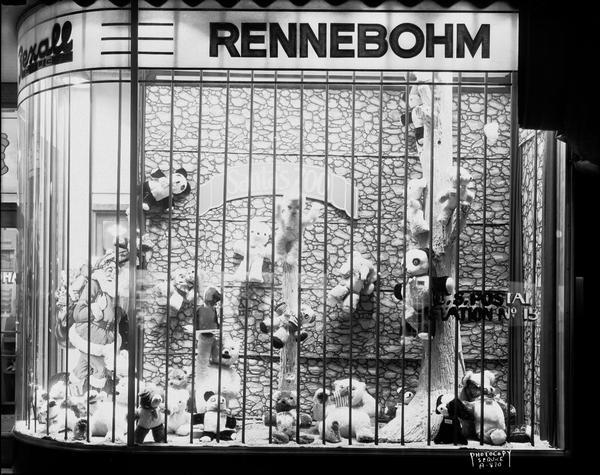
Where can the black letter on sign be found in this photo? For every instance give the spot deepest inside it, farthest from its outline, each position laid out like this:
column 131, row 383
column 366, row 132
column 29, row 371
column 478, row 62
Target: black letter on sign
column 335, row 40
column 228, row 41
column 66, row 45
column 463, row 37
column 249, row 39
column 395, row 37
column 276, row 35
column 307, row 35
column 433, row 40
column 378, row 39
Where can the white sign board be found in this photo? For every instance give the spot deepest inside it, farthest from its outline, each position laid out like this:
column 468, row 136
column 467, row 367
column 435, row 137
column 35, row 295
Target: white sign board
column 329, row 39
column 374, row 40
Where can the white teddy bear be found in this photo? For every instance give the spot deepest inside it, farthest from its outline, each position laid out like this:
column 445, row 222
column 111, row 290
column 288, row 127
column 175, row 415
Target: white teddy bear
column 360, row 279
column 337, row 418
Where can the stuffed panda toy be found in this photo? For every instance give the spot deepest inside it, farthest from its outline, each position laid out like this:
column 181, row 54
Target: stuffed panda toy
column 422, row 290
column 452, row 410
column 217, row 421
column 156, row 188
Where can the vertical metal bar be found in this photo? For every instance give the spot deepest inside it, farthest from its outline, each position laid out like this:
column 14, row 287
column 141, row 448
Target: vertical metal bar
column 118, row 313
column 224, row 216
column 169, row 244
column 325, row 254
column 379, row 211
column 89, row 255
column 50, row 258
column 352, row 163
column 404, row 232
column 36, row 257
column 514, row 147
column 194, row 328
column 26, row 257
column 534, row 286
column 483, row 273
column 429, row 272
column 68, row 241
column 47, row 218
column 299, row 302
column 247, row 257
column 135, row 207
column 273, row 211
column 457, row 263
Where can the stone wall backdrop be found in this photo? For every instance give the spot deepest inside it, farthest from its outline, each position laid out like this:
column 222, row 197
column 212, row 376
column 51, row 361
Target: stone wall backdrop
column 202, row 147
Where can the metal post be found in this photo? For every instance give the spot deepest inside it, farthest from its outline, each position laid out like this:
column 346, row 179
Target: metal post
column 135, row 211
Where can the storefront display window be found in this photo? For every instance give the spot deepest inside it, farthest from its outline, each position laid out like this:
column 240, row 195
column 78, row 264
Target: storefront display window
column 322, row 256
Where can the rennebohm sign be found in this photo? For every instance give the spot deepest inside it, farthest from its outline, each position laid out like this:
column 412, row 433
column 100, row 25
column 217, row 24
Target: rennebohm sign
column 177, row 36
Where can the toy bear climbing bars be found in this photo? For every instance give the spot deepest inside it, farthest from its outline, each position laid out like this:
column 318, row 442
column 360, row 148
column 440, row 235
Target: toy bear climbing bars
column 340, row 296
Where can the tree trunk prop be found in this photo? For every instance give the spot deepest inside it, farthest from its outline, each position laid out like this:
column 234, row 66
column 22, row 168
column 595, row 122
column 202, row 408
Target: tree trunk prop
column 444, row 230
column 289, row 353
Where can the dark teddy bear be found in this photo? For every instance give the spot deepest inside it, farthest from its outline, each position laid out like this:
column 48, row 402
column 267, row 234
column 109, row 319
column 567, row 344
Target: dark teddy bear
column 149, row 415
column 285, row 419
column 156, row 189
column 452, row 410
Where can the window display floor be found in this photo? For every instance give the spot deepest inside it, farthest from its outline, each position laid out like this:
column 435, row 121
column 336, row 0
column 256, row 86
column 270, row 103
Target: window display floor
column 257, row 435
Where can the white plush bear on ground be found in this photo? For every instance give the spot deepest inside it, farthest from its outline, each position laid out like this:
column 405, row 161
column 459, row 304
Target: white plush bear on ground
column 101, row 420
column 178, row 418
column 494, row 423
column 337, row 419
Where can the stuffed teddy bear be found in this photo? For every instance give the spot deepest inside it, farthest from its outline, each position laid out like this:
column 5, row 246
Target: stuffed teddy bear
column 285, row 324
column 55, row 410
column 337, row 419
column 285, row 419
column 287, row 215
column 208, row 357
column 98, row 318
column 452, row 410
column 415, row 217
column 258, row 250
column 448, row 197
column 178, row 418
column 360, row 279
column 149, row 415
column 179, row 291
column 155, row 190
column 178, row 378
column 207, row 318
column 217, row 420
column 422, row 291
column 102, row 418
column 493, row 415
column 419, row 104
